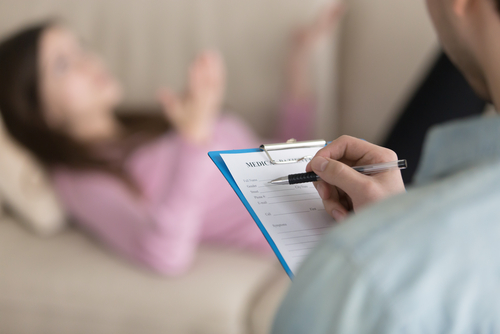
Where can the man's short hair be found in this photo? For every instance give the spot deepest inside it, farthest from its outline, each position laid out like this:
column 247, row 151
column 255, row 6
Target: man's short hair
column 498, row 4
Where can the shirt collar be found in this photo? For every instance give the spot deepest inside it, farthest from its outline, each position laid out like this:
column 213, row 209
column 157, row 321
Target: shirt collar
column 459, row 145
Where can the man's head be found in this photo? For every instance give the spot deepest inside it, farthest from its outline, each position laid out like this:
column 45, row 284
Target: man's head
column 469, row 31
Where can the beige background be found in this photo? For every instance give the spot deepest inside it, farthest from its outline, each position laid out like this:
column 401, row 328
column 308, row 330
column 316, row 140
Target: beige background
column 386, row 48
column 385, row 44
column 149, row 43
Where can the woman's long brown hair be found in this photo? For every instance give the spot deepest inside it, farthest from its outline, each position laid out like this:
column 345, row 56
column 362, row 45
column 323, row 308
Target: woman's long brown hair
column 22, row 112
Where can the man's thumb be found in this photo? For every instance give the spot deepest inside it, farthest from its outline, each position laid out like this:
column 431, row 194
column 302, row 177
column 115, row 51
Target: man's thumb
column 338, row 174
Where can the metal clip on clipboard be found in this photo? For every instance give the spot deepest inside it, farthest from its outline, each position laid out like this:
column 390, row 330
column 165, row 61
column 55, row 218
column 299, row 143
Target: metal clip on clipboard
column 290, row 144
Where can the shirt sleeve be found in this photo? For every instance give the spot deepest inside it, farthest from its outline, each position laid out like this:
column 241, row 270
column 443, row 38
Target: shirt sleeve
column 338, row 298
column 157, row 237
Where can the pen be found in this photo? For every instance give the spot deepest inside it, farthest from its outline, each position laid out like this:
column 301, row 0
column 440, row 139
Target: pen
column 367, row 170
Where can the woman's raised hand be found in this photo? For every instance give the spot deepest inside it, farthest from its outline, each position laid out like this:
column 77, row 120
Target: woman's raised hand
column 304, row 40
column 307, row 36
column 194, row 112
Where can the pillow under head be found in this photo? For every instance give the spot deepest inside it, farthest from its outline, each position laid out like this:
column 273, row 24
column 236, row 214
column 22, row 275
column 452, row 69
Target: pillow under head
column 26, row 189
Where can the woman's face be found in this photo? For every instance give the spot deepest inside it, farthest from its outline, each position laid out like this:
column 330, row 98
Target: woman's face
column 77, row 92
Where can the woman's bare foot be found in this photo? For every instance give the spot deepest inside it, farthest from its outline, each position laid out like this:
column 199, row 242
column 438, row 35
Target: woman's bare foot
column 194, row 112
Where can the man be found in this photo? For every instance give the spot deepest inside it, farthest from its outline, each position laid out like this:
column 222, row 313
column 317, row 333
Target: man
column 425, row 261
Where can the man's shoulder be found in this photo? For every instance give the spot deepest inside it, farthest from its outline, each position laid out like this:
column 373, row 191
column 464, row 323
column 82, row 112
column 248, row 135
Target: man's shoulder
column 418, row 260
column 456, row 205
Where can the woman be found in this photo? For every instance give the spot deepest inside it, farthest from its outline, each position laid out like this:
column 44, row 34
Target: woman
column 146, row 189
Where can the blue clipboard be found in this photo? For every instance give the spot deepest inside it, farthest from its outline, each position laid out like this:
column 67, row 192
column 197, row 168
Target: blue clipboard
column 219, row 162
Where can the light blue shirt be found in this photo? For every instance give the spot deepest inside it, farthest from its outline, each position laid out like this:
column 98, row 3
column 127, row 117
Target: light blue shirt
column 427, row 261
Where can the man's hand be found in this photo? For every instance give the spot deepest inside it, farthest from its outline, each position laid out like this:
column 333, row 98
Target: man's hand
column 342, row 188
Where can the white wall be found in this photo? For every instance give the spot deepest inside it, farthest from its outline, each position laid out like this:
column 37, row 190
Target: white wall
column 385, row 50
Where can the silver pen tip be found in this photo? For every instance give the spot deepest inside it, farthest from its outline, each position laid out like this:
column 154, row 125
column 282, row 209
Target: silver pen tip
column 281, row 180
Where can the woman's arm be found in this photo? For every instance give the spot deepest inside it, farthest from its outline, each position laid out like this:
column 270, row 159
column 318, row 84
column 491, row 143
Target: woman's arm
column 298, row 110
column 162, row 239
column 158, row 229
column 296, row 120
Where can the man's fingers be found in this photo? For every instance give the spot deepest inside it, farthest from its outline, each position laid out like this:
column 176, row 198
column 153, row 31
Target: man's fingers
column 308, row 167
column 324, row 190
column 353, row 151
column 333, row 164
column 350, row 149
column 338, row 174
column 335, row 209
column 332, row 200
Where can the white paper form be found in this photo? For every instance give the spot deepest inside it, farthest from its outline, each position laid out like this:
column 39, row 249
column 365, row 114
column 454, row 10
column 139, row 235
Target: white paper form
column 293, row 215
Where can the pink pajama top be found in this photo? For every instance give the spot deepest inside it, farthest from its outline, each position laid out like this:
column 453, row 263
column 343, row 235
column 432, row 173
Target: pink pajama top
column 185, row 200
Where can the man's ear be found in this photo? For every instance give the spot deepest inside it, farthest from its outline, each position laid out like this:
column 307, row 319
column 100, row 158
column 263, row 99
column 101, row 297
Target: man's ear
column 460, row 7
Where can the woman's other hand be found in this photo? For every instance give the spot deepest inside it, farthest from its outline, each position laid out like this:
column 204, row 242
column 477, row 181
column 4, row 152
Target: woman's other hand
column 304, row 40
column 341, row 187
column 194, row 112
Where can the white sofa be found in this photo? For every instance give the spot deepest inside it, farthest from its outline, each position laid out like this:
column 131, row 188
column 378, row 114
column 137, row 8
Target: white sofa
column 69, row 284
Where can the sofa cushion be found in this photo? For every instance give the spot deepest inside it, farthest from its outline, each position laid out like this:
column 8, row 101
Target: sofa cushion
column 267, row 301
column 25, row 188
column 68, row 284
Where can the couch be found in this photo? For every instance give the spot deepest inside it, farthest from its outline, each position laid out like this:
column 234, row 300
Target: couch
column 56, row 279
